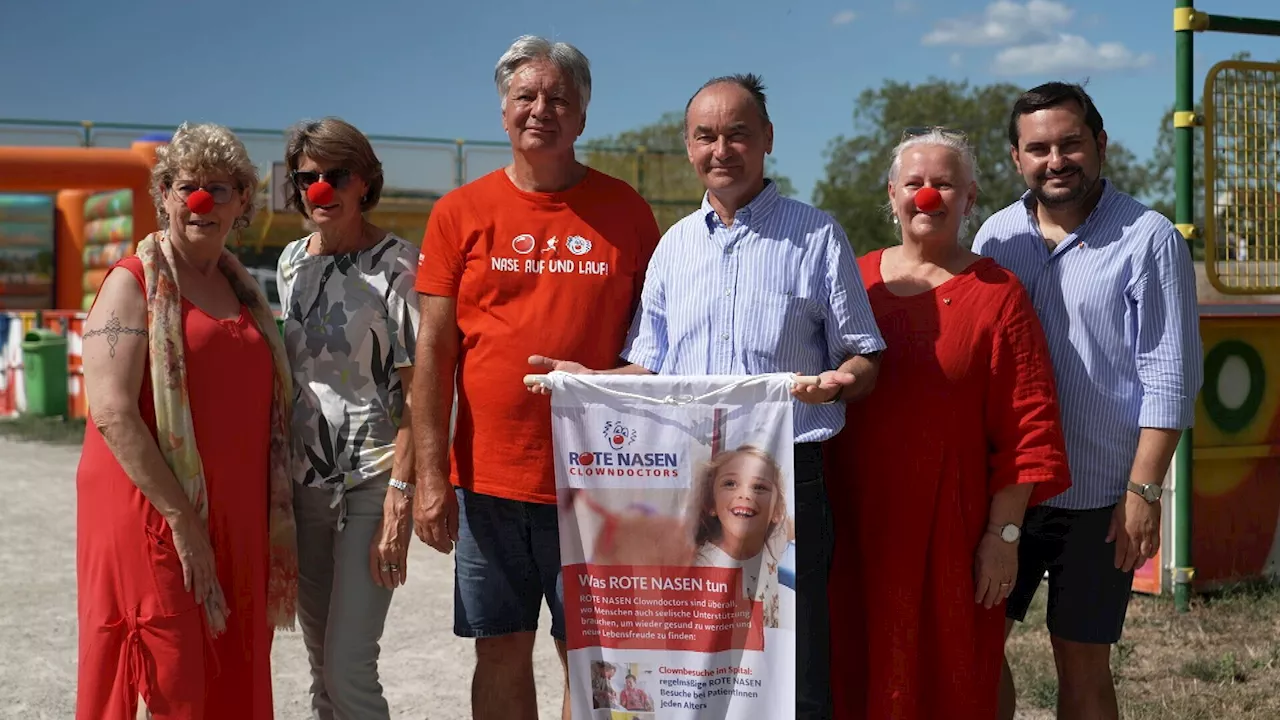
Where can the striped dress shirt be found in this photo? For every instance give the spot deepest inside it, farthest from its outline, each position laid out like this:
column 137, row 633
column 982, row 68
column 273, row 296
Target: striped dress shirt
column 1117, row 299
column 777, row 291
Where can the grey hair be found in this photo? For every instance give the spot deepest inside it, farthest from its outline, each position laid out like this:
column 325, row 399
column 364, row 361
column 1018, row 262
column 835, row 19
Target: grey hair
column 936, row 137
column 564, row 56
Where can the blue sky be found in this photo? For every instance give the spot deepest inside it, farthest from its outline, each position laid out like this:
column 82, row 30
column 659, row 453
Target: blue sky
column 409, row 67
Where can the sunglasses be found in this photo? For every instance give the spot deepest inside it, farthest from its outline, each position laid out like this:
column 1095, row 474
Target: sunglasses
column 222, row 192
column 927, row 130
column 338, row 178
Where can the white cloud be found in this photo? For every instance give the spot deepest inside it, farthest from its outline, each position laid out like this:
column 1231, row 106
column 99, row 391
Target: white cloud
column 844, row 17
column 1003, row 23
column 1067, row 54
column 956, row 60
column 905, row 7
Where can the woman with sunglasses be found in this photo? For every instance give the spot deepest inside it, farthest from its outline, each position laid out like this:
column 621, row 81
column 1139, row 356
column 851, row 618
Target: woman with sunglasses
column 350, row 325
column 185, row 556
column 960, row 435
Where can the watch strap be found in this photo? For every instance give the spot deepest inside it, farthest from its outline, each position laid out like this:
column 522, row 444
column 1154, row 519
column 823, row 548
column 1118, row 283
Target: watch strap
column 1143, row 489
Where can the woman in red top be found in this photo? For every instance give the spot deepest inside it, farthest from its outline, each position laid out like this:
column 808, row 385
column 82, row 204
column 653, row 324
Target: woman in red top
column 185, row 559
column 936, row 467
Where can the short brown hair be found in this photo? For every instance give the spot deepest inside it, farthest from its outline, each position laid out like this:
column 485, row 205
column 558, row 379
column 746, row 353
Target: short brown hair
column 332, row 140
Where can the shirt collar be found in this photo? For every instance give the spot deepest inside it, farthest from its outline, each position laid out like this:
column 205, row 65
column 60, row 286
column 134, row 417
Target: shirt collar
column 755, row 211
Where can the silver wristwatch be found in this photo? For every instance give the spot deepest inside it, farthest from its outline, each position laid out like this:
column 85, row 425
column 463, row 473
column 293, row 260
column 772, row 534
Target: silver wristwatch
column 1150, row 492
column 403, row 487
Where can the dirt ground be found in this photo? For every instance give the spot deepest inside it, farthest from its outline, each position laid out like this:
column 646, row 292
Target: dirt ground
column 1220, row 660
column 425, row 670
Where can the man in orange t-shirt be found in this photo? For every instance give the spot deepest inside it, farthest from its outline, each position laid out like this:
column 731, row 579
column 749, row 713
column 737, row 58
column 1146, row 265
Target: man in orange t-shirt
column 545, row 255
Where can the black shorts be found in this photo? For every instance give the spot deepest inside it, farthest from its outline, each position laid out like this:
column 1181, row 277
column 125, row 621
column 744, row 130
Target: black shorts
column 1088, row 596
column 814, row 540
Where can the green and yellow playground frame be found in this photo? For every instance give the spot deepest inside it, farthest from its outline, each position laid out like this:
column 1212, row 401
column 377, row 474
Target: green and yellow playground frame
column 1222, row 513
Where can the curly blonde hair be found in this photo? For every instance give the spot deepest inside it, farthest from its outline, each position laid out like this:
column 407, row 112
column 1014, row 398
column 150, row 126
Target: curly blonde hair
column 203, row 149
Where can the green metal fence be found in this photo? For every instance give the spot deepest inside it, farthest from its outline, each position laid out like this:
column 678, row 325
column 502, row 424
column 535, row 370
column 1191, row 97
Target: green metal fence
column 413, row 166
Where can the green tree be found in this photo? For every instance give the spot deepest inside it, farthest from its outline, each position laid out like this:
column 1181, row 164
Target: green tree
column 1161, row 169
column 854, row 187
column 652, row 158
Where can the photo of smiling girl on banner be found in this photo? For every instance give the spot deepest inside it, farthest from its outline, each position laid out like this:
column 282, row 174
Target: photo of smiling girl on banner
column 738, row 511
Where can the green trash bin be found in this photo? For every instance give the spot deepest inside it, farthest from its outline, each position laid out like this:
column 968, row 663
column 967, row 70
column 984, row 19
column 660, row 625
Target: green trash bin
column 44, row 358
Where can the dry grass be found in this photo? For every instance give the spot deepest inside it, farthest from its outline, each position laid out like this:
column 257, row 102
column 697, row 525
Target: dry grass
column 1220, row 660
column 55, row 430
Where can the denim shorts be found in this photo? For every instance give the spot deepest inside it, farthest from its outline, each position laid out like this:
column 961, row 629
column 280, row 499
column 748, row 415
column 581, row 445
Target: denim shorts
column 507, row 560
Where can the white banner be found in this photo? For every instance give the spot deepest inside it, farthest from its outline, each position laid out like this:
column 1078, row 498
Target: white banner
column 677, row 539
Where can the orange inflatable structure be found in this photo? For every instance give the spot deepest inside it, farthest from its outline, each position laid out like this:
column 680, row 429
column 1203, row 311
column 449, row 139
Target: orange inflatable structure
column 74, row 174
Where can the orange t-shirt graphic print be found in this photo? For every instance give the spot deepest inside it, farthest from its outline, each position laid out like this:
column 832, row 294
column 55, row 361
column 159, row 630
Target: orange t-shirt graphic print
column 555, row 274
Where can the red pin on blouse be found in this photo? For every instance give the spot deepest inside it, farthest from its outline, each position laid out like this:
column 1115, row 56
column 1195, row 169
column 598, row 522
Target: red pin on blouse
column 320, row 193
column 200, row 202
column 928, row 199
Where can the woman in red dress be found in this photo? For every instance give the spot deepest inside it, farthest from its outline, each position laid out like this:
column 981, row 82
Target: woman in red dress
column 185, row 558
column 932, row 475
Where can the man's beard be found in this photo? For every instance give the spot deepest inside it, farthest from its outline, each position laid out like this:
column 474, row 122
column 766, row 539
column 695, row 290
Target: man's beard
column 1073, row 195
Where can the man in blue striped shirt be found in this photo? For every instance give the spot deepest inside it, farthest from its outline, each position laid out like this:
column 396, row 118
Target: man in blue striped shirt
column 754, row 282
column 1114, row 286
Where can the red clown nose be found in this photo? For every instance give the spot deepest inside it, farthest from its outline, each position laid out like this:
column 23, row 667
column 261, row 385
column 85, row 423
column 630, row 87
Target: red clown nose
column 320, row 193
column 200, row 202
column 928, row 199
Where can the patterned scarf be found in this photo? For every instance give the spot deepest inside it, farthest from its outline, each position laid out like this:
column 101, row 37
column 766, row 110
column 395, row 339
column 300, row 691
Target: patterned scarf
column 176, row 432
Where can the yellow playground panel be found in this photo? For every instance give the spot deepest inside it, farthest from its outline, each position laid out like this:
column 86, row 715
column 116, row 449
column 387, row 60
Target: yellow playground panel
column 1242, row 177
column 1236, row 504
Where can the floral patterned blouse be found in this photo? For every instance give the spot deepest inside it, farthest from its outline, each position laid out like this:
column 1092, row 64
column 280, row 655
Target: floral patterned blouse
column 350, row 321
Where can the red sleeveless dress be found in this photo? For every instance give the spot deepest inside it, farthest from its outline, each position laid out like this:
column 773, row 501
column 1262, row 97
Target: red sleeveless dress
column 141, row 633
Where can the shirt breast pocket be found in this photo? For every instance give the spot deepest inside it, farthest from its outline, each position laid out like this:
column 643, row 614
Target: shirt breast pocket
column 773, row 321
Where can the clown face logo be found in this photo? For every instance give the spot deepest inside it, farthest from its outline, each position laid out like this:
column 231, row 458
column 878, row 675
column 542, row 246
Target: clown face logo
column 618, row 434
column 578, row 245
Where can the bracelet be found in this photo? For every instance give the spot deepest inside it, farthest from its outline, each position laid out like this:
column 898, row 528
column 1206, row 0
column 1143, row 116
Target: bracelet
column 403, row 487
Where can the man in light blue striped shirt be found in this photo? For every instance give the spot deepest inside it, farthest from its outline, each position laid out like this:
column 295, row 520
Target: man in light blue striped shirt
column 754, row 282
column 1114, row 286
